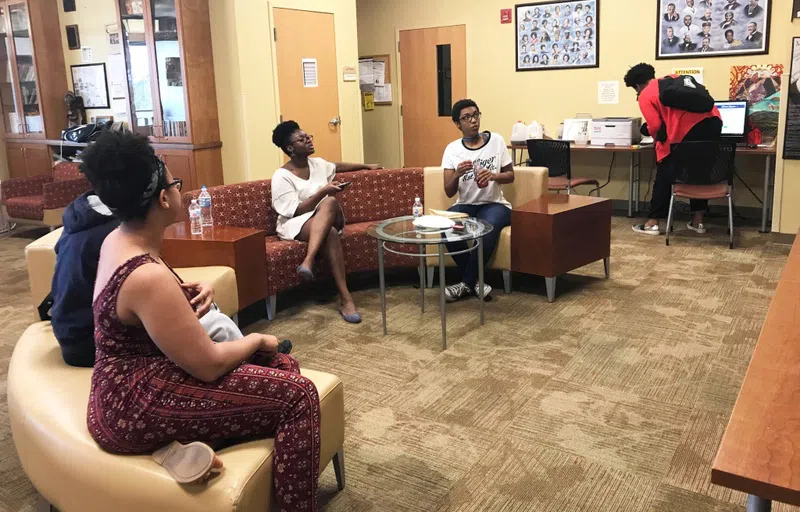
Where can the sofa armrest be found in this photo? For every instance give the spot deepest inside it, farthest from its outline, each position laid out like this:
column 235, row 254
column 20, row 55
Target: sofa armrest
column 529, row 183
column 19, row 187
column 59, row 194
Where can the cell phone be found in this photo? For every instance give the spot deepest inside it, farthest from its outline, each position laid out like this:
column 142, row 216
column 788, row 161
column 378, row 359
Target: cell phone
column 344, row 184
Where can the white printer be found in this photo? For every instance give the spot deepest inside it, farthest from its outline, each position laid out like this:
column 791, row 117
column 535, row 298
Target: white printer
column 617, row 131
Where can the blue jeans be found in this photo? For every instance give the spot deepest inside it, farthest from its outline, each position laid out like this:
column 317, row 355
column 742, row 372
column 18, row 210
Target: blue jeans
column 497, row 215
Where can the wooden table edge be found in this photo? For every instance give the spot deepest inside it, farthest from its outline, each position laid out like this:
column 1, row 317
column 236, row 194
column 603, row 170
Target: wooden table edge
column 755, row 487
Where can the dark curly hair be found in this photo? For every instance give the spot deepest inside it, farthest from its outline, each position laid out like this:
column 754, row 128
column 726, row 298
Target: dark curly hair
column 461, row 105
column 120, row 166
column 283, row 133
column 639, row 74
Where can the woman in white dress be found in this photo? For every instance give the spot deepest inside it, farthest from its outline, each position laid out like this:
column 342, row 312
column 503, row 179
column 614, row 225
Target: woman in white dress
column 303, row 195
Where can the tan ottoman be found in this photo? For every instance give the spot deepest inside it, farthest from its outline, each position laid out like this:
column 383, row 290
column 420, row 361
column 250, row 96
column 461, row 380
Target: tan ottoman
column 47, row 403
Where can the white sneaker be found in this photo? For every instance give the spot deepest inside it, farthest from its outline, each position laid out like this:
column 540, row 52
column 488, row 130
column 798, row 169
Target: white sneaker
column 700, row 228
column 486, row 291
column 456, row 292
column 645, row 230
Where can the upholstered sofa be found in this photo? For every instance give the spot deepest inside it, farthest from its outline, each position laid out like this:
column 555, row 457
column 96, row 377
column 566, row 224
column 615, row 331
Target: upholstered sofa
column 42, row 199
column 47, row 409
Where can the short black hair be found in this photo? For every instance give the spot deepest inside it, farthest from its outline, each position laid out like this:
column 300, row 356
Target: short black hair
column 120, row 166
column 729, row 31
column 282, row 134
column 639, row 74
column 461, row 105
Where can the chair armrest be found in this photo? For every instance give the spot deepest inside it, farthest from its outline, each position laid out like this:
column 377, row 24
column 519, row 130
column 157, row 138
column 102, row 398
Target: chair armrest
column 530, row 183
column 19, row 187
column 59, row 194
column 41, row 258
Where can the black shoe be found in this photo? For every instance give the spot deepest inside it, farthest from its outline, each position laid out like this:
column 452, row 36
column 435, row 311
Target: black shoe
column 285, row 347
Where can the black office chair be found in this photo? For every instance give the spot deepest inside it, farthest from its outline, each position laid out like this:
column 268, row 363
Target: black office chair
column 703, row 170
column 555, row 155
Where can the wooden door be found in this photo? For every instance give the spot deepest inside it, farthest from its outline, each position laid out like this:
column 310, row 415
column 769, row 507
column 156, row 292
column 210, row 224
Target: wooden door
column 38, row 160
column 316, row 109
column 16, row 160
column 425, row 132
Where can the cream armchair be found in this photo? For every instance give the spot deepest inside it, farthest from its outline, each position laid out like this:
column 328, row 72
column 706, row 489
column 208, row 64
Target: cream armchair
column 529, row 184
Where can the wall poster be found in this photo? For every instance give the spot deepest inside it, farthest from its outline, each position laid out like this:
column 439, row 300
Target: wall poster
column 558, row 35
column 791, row 139
column 760, row 86
column 712, row 28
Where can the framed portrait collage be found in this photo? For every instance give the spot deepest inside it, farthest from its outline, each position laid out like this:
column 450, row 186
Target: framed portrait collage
column 712, row 28
column 558, row 35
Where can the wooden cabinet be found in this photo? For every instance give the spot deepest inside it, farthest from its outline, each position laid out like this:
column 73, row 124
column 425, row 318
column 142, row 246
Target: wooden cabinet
column 26, row 160
column 172, row 95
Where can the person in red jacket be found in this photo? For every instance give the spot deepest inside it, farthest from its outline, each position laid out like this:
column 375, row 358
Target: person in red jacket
column 669, row 126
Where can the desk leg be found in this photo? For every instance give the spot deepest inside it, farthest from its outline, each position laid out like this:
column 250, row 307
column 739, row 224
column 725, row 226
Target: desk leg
column 514, row 155
column 441, row 296
column 638, row 179
column 422, row 272
column 765, row 208
column 382, row 281
column 630, row 188
column 480, row 275
column 756, row 504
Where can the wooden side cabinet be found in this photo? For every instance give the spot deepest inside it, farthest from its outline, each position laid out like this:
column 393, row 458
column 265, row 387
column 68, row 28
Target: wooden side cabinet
column 27, row 160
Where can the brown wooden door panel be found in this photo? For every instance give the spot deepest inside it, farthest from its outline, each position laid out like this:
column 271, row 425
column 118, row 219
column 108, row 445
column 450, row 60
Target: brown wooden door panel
column 181, row 165
column 38, row 160
column 312, row 107
column 16, row 161
column 425, row 134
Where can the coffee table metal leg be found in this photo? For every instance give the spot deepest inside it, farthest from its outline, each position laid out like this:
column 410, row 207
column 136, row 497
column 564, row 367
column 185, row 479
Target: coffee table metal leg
column 550, row 283
column 422, row 272
column 607, row 266
column 765, row 209
column 382, row 281
column 756, row 504
column 441, row 296
column 480, row 275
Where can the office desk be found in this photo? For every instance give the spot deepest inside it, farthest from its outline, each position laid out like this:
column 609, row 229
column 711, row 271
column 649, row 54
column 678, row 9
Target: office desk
column 634, row 177
column 635, row 169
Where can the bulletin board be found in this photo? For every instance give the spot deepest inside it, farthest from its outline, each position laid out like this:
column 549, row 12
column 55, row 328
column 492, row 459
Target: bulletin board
column 371, row 86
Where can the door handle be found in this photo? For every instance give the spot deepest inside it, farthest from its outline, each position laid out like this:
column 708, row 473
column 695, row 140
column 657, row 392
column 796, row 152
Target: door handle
column 336, row 121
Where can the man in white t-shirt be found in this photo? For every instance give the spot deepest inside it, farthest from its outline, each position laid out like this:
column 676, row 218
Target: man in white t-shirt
column 474, row 168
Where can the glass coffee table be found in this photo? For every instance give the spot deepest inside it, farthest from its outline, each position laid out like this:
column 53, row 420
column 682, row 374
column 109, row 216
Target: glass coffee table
column 401, row 230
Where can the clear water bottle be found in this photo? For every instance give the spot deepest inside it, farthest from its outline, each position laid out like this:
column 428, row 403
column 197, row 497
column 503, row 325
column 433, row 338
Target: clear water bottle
column 417, row 209
column 195, row 218
column 205, row 208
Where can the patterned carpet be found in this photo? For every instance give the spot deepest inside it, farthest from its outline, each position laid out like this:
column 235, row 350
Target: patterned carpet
column 613, row 398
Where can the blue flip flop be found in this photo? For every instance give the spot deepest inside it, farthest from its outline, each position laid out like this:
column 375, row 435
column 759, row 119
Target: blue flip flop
column 355, row 318
column 305, row 273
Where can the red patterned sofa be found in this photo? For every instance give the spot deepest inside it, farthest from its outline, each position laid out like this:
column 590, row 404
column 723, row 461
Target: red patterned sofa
column 373, row 196
column 42, row 199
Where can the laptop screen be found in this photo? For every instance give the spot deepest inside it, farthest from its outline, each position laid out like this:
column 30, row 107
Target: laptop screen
column 734, row 118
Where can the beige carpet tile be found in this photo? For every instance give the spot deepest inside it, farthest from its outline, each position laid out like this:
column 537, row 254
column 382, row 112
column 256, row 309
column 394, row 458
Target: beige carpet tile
column 620, row 430
column 740, row 340
column 517, row 475
column 721, row 387
column 673, row 499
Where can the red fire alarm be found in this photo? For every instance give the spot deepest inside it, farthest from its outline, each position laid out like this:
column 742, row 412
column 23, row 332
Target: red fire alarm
column 505, row 16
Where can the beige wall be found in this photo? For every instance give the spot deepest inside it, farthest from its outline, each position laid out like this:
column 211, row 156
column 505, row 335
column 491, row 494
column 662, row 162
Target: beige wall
column 506, row 96
column 247, row 95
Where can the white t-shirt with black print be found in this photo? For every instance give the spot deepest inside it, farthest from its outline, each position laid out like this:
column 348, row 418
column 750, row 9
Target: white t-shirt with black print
column 492, row 156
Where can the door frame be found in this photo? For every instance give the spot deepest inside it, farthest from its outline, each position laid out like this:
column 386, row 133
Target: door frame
column 399, row 89
column 274, row 52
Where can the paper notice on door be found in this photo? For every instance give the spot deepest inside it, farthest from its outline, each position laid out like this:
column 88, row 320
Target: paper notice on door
column 365, row 72
column 310, row 75
column 383, row 93
column 379, row 72
column 608, row 92
column 117, row 76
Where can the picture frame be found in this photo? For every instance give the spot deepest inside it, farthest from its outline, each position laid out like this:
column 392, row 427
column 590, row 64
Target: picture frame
column 550, row 27
column 73, row 37
column 90, row 82
column 717, row 28
column 795, row 9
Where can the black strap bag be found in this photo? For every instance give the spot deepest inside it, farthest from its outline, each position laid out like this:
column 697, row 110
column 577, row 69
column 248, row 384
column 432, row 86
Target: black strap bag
column 685, row 93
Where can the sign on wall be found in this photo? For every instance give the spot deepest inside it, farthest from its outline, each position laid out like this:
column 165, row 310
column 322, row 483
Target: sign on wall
column 712, row 28
column 791, row 140
column 558, row 35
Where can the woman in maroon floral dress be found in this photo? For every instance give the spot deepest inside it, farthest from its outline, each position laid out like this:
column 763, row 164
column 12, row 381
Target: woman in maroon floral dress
column 158, row 378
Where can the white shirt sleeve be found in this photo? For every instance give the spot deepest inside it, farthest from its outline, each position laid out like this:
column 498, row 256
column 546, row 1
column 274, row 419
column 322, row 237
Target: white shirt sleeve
column 447, row 159
column 505, row 158
column 330, row 170
column 285, row 198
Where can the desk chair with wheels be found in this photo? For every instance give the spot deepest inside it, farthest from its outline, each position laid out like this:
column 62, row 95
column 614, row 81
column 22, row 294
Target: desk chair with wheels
column 703, row 170
column 555, row 155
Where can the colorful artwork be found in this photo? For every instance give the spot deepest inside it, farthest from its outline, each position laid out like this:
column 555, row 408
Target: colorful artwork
column 558, row 35
column 712, row 28
column 760, row 86
column 791, row 139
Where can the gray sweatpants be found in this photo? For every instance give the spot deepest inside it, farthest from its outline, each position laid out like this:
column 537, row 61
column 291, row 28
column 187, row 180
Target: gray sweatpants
column 219, row 326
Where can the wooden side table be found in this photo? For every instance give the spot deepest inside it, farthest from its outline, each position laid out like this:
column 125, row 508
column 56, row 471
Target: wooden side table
column 558, row 233
column 242, row 249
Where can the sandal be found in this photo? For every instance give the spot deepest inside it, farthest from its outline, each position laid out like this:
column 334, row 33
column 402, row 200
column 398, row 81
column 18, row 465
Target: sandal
column 187, row 463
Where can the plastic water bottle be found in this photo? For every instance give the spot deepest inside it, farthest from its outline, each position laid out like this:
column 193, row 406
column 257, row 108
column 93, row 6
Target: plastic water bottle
column 205, row 208
column 194, row 218
column 417, row 209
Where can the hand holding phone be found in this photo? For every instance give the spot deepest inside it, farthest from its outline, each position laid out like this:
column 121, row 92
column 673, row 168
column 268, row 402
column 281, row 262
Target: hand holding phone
column 343, row 185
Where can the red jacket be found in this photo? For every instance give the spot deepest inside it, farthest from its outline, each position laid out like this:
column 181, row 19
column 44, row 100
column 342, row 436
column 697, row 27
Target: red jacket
column 678, row 122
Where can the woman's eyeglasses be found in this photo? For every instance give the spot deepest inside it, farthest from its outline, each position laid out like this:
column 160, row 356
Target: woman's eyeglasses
column 177, row 183
column 304, row 139
column 470, row 117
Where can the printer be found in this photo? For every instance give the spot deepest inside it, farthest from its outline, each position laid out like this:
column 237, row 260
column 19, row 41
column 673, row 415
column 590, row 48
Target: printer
column 617, row 131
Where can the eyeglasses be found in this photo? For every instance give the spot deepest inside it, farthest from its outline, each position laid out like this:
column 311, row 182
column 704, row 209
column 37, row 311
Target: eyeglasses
column 304, row 139
column 470, row 117
column 177, row 183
